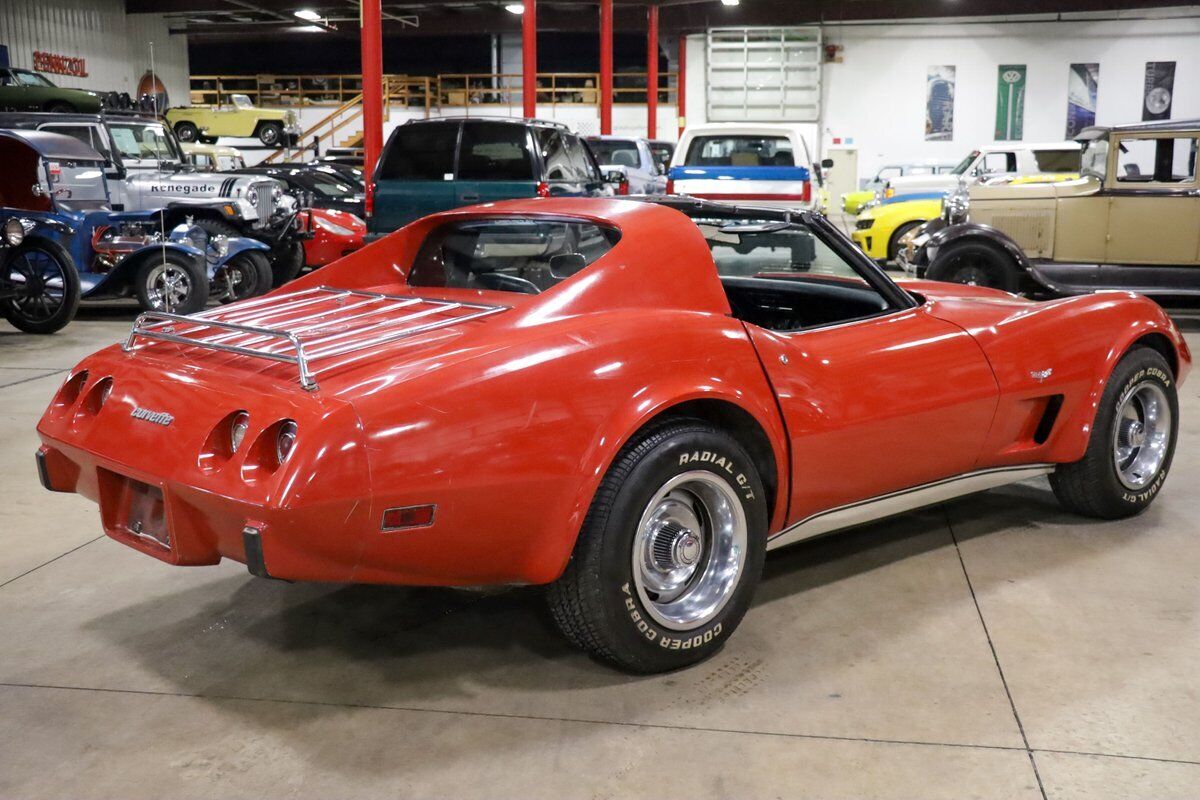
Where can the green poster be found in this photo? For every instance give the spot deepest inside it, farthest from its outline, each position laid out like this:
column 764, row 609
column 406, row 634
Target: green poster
column 1010, row 102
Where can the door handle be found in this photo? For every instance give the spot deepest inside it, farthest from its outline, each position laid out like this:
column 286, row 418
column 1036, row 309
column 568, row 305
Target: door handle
column 469, row 197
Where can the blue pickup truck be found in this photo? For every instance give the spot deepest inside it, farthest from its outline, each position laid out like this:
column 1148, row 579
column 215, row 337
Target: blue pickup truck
column 437, row 164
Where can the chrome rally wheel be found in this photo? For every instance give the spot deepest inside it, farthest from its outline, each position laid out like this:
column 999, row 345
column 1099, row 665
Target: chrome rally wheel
column 1142, row 435
column 171, row 282
column 670, row 553
column 689, row 550
column 168, row 286
column 1131, row 443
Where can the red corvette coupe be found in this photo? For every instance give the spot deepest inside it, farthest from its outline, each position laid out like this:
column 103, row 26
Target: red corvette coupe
column 628, row 401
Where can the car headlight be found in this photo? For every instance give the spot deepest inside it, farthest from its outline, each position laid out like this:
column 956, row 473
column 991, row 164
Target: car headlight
column 14, row 232
column 252, row 195
column 285, row 440
column 332, row 227
column 219, row 245
column 276, row 193
column 864, row 224
column 956, row 207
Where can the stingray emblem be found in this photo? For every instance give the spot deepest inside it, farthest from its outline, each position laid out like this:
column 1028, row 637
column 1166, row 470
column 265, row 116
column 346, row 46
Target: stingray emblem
column 1042, row 374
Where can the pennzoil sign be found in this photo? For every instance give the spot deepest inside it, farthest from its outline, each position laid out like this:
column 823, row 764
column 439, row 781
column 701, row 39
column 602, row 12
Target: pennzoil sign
column 59, row 65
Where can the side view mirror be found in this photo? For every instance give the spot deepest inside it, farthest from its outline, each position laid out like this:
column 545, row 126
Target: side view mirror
column 614, row 177
column 564, row 265
column 827, row 163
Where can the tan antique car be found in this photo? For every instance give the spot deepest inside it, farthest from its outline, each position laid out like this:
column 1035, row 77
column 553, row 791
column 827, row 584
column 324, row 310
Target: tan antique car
column 1130, row 221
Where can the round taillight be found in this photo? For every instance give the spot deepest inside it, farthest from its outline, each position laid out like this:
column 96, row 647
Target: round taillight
column 285, row 440
column 237, row 430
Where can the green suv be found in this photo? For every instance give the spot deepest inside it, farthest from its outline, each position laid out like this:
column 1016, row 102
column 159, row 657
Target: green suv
column 434, row 165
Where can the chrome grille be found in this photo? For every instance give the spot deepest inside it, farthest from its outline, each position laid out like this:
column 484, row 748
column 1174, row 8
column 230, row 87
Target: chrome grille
column 266, row 206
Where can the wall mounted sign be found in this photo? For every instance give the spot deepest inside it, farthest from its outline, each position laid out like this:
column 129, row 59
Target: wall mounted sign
column 1083, row 84
column 59, row 65
column 1010, row 102
column 939, row 104
column 1158, row 90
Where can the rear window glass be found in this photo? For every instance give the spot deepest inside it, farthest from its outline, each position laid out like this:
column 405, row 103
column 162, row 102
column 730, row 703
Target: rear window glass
column 662, row 153
column 527, row 256
column 495, row 151
column 420, row 153
column 740, row 151
column 1057, row 160
column 622, row 153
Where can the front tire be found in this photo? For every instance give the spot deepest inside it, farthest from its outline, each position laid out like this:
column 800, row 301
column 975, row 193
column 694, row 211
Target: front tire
column 975, row 264
column 894, row 244
column 1131, row 444
column 670, row 552
column 287, row 259
column 46, row 287
column 248, row 274
column 172, row 283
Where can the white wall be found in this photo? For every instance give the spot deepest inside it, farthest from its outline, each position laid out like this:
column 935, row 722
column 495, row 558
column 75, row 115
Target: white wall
column 115, row 45
column 877, row 95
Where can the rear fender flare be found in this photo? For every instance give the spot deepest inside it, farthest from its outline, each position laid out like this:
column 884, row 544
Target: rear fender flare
column 119, row 279
column 656, row 402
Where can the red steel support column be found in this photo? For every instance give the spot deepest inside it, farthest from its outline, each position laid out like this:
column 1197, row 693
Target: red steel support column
column 652, row 74
column 371, row 31
column 681, row 85
column 529, row 59
column 606, row 65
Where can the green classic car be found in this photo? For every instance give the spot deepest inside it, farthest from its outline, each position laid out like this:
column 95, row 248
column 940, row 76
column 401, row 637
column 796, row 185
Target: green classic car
column 234, row 116
column 26, row 90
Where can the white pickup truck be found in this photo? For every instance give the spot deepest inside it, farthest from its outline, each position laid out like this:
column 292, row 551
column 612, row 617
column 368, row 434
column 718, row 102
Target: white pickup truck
column 989, row 161
column 766, row 165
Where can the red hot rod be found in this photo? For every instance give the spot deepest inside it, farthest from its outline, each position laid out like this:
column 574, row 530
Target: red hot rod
column 628, row 401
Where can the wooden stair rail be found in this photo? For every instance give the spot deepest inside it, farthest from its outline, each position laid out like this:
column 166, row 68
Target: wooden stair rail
column 326, row 120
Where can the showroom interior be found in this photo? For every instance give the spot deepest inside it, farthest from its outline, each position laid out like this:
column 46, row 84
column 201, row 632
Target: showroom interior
column 599, row 398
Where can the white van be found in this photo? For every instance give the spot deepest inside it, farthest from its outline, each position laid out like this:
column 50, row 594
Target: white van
column 766, row 165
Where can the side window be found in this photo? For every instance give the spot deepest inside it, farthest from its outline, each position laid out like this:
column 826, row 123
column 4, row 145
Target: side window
column 554, row 154
column 87, row 134
column 6, row 78
column 497, row 151
column 999, row 163
column 422, row 152
column 1159, row 160
column 581, row 161
column 888, row 172
column 1057, row 160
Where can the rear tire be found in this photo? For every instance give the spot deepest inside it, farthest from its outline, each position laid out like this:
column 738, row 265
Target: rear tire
column 1131, row 444
column 287, row 259
column 270, row 133
column 975, row 264
column 172, row 283
column 45, row 275
column 187, row 132
column 249, row 272
column 670, row 552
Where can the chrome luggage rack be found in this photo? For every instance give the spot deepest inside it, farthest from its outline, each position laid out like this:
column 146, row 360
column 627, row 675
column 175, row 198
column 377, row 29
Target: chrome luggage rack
column 318, row 332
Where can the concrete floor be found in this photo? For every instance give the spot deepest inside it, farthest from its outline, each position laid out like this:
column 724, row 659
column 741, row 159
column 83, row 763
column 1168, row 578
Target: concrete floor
column 993, row 647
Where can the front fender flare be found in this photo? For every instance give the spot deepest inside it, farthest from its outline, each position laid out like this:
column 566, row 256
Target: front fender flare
column 974, row 231
column 118, row 280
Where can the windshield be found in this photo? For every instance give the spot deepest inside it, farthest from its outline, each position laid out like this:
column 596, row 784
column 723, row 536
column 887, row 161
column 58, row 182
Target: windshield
column 622, row 153
column 31, row 79
column 749, row 248
column 510, row 255
column 142, row 143
column 1095, row 159
column 241, row 100
column 965, row 164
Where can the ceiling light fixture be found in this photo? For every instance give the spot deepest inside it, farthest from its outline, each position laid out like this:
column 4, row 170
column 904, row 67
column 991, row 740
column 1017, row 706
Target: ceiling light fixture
column 731, row 2
column 307, row 14
column 515, row 8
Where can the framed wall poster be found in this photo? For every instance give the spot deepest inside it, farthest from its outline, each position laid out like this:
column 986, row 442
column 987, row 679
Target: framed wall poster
column 1158, row 90
column 939, row 104
column 1083, row 83
column 1010, row 102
